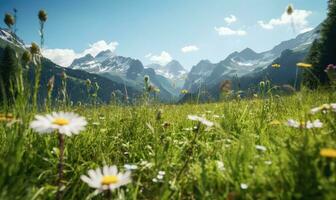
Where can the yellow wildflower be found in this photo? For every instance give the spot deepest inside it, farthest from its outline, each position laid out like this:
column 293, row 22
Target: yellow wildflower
column 276, row 65
column 328, row 152
column 304, row 65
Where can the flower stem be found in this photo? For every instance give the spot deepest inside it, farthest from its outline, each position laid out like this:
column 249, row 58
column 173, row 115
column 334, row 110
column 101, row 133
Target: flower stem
column 108, row 195
column 60, row 166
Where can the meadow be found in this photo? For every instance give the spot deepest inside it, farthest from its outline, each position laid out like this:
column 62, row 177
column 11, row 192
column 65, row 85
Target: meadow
column 236, row 149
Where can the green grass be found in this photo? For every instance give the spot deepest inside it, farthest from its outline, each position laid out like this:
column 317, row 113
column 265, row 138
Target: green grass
column 290, row 168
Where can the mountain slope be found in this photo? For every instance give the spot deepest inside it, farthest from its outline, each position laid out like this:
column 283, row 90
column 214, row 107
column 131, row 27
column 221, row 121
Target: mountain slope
column 76, row 82
column 125, row 70
column 248, row 65
column 173, row 71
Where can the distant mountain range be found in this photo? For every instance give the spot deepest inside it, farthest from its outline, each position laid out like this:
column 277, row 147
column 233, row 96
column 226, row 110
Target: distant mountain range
column 125, row 75
column 131, row 72
column 76, row 82
column 249, row 68
column 173, row 71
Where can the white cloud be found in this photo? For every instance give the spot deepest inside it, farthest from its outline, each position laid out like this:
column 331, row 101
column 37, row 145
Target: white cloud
column 298, row 18
column 64, row 57
column 99, row 46
column 306, row 29
column 161, row 59
column 189, row 48
column 226, row 31
column 231, row 19
column 148, row 55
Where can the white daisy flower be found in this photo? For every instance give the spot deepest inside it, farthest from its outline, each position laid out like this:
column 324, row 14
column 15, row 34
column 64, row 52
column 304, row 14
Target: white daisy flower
column 201, row 119
column 63, row 122
column 162, row 173
column 324, row 108
column 220, row 165
column 315, row 110
column 243, row 186
column 107, row 178
column 333, row 107
column 260, row 147
column 315, row 124
column 293, row 123
column 130, row 167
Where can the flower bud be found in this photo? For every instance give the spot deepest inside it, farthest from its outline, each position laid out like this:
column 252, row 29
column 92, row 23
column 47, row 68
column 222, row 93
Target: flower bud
column 290, row 10
column 146, row 79
column 88, row 83
column 34, row 48
column 50, row 84
column 9, row 20
column 64, row 75
column 26, row 57
column 262, row 84
column 42, row 15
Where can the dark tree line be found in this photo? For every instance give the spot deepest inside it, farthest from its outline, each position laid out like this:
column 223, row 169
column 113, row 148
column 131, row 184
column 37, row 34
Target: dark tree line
column 323, row 50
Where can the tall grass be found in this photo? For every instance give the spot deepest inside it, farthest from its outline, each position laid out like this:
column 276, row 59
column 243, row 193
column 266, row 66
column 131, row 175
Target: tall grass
column 202, row 164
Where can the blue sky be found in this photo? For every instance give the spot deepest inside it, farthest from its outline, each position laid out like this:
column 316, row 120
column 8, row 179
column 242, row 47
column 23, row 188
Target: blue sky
column 158, row 30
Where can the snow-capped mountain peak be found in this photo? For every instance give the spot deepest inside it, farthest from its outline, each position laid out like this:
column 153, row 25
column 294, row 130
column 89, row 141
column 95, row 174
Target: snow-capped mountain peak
column 6, row 35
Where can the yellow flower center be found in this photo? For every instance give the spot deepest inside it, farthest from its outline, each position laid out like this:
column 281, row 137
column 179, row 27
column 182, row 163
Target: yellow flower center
column 61, row 121
column 107, row 180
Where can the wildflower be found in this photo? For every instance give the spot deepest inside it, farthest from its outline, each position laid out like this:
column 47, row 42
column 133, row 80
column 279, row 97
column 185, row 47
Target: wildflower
column 243, row 186
column 201, row 119
column 333, row 107
column 64, row 75
column 165, row 125
column 9, row 20
column 328, row 152
column 162, row 173
column 324, row 108
column 304, row 65
column 290, row 10
column 330, row 67
column 130, row 167
column 88, row 82
column 159, row 176
column 146, row 79
column 226, row 86
column 262, row 84
column 260, row 147
column 50, row 84
column 276, row 65
column 295, row 124
column 6, row 117
column 275, row 122
column 42, row 15
column 107, row 178
column 64, row 123
column 26, row 57
column 315, row 124
column 34, row 48
column 220, row 165
column 184, row 91
column 268, row 162
column 159, row 114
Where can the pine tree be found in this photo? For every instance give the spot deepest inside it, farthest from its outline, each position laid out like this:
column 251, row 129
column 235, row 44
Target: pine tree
column 8, row 74
column 323, row 51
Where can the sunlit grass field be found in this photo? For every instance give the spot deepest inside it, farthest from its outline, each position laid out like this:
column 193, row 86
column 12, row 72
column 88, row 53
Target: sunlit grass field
column 249, row 153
